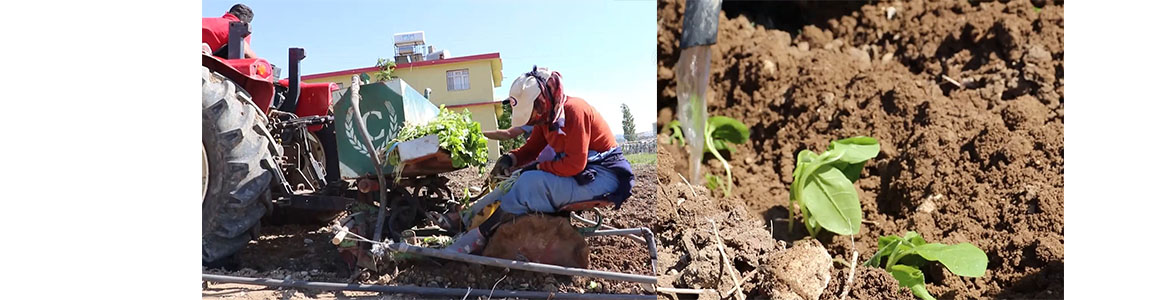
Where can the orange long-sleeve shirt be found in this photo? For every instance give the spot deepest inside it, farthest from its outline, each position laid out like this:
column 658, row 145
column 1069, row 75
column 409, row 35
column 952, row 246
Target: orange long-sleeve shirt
column 584, row 130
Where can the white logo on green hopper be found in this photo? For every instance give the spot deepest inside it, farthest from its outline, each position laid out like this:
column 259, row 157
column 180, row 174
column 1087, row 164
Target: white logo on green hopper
column 357, row 143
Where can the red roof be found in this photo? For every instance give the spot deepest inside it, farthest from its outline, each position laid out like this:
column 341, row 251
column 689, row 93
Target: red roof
column 406, row 65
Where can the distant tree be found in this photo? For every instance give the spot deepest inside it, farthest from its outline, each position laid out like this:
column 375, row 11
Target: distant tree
column 505, row 122
column 628, row 129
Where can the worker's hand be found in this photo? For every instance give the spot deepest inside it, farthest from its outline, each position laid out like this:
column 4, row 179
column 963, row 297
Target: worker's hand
column 495, row 135
column 503, row 166
column 529, row 167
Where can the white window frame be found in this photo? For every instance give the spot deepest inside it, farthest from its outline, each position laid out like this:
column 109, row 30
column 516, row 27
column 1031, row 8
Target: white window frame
column 458, row 80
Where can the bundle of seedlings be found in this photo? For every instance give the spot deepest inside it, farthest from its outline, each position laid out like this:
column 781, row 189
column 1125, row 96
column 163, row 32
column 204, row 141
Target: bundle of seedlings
column 457, row 133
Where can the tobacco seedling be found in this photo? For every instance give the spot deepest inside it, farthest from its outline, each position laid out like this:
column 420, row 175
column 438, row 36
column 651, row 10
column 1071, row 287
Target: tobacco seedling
column 721, row 133
column 822, row 186
column 676, row 133
column 457, row 133
column 904, row 257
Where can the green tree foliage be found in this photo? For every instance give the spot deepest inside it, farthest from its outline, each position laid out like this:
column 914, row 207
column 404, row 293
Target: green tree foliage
column 505, row 122
column 385, row 69
column 628, row 129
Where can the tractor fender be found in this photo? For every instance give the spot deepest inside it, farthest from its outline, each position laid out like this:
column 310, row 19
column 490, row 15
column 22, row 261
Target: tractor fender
column 253, row 74
column 315, row 100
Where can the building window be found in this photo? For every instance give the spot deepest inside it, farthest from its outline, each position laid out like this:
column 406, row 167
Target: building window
column 457, row 80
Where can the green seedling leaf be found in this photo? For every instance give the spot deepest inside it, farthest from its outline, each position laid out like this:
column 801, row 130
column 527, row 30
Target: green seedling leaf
column 851, row 171
column 914, row 238
column 855, row 149
column 728, row 129
column 913, row 260
column 912, row 278
column 831, row 198
column 904, row 256
column 676, row 133
column 962, row 259
column 714, row 182
column 457, row 133
column 822, row 185
column 886, row 246
column 721, row 145
column 724, row 132
column 805, row 156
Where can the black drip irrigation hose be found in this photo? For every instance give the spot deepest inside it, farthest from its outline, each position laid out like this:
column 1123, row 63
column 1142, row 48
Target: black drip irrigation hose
column 417, row 290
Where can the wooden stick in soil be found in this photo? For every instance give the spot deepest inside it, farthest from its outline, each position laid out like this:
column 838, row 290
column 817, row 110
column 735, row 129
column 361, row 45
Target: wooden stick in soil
column 727, row 263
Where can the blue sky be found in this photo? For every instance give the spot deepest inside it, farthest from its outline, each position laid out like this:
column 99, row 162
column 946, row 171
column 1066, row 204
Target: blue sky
column 604, row 49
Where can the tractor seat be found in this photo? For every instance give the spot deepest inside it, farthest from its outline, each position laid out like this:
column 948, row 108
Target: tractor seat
column 585, row 205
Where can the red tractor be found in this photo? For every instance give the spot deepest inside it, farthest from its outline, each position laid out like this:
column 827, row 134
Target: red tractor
column 263, row 139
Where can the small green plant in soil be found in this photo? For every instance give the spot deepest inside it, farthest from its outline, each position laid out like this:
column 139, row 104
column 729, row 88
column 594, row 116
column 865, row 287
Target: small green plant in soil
column 904, row 257
column 457, row 133
column 822, row 186
column 720, row 133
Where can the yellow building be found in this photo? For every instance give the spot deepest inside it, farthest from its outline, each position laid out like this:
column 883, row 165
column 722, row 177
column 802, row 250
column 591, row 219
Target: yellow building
column 459, row 83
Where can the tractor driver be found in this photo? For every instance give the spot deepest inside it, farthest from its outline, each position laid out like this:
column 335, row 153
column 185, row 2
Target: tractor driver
column 215, row 31
column 572, row 156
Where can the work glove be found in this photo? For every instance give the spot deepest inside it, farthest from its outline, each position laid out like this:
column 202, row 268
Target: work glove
column 529, row 167
column 502, row 166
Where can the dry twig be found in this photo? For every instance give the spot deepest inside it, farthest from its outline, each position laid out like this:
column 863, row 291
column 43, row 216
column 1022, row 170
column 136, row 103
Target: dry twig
column 688, row 185
column 737, row 288
column 683, row 291
column 740, row 283
column 852, row 268
column 497, row 283
column 952, row 81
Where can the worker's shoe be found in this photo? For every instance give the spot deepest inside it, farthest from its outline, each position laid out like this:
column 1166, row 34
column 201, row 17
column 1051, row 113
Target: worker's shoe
column 450, row 221
column 468, row 243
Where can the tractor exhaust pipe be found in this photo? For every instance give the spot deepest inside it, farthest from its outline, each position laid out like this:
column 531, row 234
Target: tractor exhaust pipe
column 295, row 55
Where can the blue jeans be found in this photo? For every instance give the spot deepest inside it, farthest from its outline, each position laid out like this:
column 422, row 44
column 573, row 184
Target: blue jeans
column 540, row 191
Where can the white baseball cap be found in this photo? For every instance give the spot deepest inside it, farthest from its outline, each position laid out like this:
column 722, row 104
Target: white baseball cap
column 523, row 94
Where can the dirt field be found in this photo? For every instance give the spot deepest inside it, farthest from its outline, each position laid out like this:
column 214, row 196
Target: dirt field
column 304, row 253
column 965, row 97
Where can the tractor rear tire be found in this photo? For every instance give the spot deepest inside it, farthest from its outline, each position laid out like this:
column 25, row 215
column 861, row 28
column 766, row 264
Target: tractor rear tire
column 238, row 168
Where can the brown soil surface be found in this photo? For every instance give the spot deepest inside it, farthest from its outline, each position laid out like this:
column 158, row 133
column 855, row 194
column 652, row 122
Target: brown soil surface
column 976, row 160
column 282, row 252
column 689, row 255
